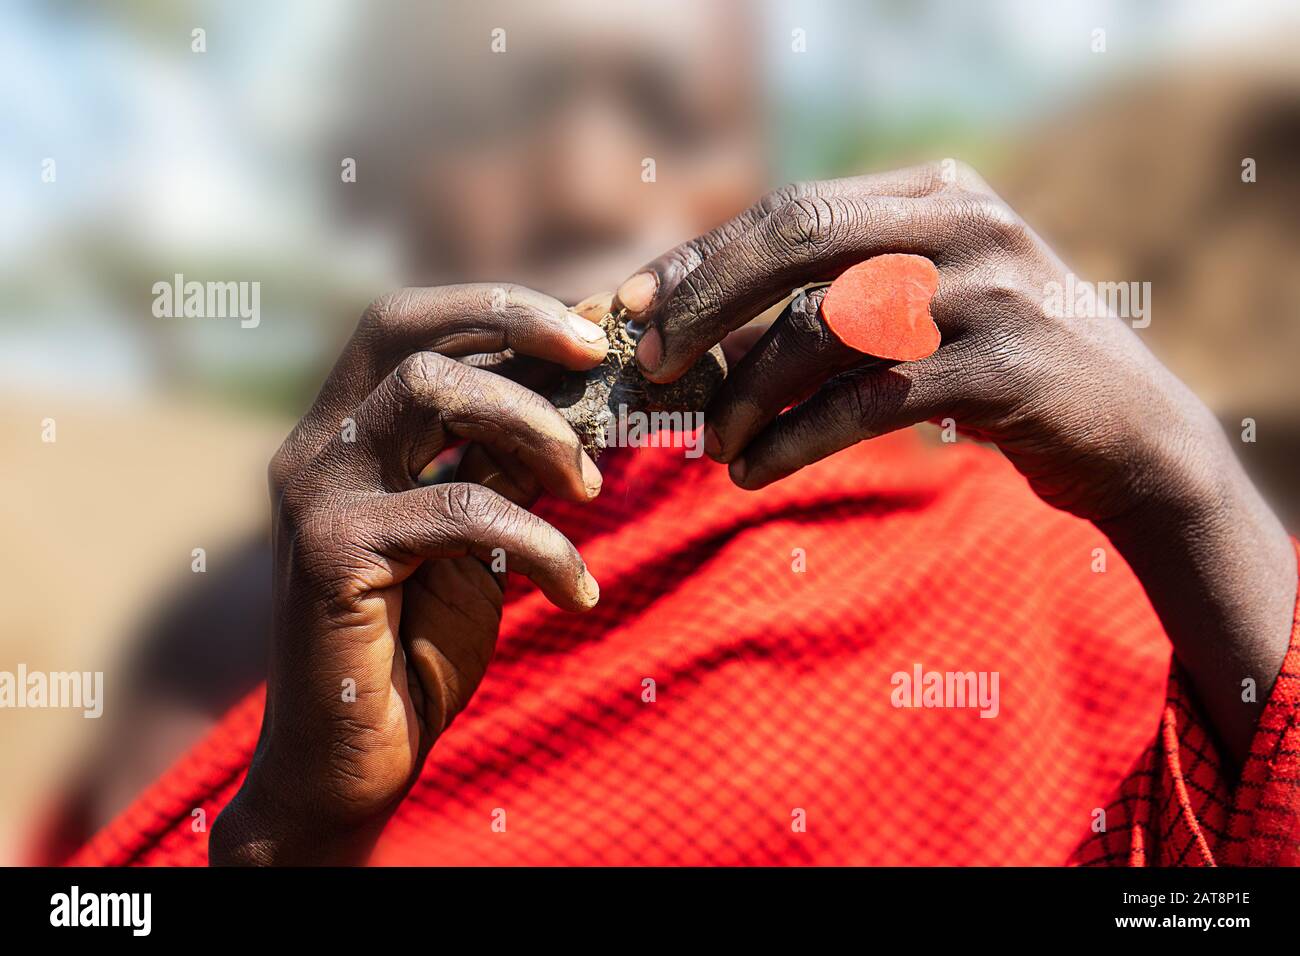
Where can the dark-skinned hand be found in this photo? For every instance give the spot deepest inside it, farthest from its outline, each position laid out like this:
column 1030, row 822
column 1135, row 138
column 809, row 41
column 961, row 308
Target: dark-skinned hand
column 386, row 605
column 1079, row 405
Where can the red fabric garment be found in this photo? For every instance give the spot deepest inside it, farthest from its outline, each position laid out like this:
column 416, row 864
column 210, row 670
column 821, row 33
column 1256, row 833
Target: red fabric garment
column 773, row 692
column 1177, row 807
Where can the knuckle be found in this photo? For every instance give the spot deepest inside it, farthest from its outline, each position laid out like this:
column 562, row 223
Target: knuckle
column 421, row 374
column 474, row 509
column 804, row 224
column 998, row 226
column 985, row 223
column 492, row 297
column 458, row 389
column 955, row 174
column 690, row 255
column 777, row 198
column 698, row 293
column 862, row 405
column 995, row 297
column 933, row 177
column 381, row 314
column 813, row 336
column 966, row 176
column 1005, row 298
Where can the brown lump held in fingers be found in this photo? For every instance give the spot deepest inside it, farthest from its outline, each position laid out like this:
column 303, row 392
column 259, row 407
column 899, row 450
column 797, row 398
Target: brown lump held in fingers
column 591, row 400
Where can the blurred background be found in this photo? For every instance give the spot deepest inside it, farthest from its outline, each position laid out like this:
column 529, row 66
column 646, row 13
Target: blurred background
column 525, row 165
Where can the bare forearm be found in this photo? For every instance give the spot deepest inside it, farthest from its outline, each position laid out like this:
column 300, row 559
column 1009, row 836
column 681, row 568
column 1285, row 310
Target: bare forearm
column 1220, row 571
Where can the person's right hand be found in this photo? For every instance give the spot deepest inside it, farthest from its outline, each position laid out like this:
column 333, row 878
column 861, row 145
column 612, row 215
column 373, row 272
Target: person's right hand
column 386, row 608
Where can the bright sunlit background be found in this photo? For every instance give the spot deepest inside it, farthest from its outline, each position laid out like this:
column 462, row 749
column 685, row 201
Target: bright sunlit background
column 522, row 166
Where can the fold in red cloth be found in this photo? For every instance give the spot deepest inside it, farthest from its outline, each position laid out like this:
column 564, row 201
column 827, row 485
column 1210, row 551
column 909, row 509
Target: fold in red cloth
column 781, row 630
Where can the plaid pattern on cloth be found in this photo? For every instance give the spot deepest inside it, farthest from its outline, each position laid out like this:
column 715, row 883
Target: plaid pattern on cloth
column 772, row 736
column 1177, row 807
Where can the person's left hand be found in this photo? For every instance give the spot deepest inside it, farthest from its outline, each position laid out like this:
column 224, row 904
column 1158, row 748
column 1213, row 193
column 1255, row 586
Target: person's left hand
column 1057, row 395
column 1079, row 405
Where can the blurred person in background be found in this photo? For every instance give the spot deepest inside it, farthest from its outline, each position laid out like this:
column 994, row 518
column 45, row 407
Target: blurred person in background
column 528, row 193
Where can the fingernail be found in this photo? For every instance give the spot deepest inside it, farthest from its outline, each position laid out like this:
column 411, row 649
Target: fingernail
column 591, row 476
column 738, row 469
column 587, row 331
column 650, row 350
column 594, row 307
column 638, row 292
column 712, row 447
column 590, row 589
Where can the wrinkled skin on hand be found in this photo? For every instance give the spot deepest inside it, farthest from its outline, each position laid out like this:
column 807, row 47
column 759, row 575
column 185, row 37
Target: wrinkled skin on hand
column 386, row 606
column 1079, row 405
column 383, row 582
column 1057, row 395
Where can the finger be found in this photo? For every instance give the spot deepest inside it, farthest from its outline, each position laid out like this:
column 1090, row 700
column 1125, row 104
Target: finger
column 429, row 398
column 457, row 320
column 651, row 285
column 738, row 343
column 463, row 319
column 445, row 521
column 529, row 372
column 595, row 307
column 499, row 472
column 451, row 612
column 796, row 355
column 854, row 406
column 804, row 241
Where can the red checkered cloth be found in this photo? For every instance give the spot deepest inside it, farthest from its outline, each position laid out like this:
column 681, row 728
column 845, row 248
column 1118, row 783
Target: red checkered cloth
column 1179, row 808
column 772, row 625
